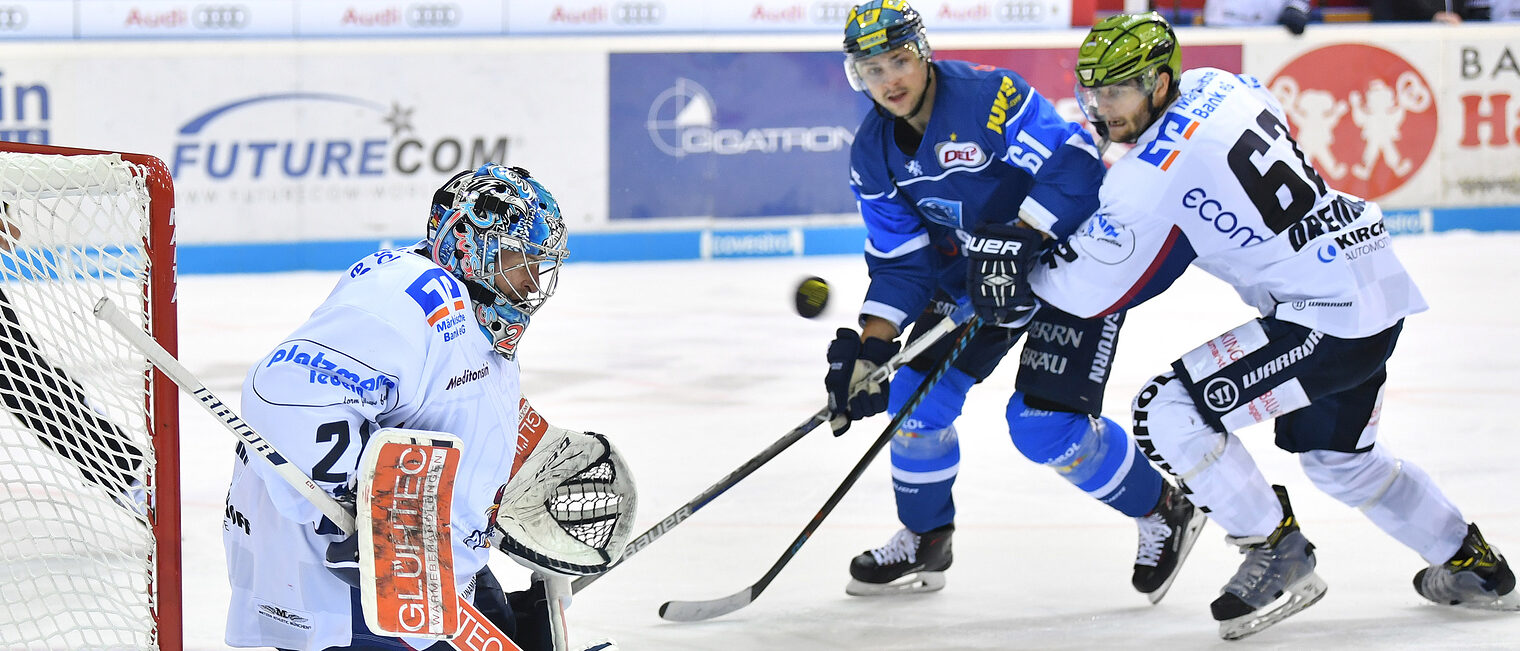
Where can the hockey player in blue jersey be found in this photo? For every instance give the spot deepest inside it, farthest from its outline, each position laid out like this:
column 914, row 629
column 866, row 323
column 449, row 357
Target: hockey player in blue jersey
column 954, row 153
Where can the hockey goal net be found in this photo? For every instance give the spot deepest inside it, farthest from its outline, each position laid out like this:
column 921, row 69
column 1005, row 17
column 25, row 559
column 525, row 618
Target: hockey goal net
column 89, row 498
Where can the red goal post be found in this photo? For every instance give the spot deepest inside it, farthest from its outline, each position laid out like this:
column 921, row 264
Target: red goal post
column 89, row 447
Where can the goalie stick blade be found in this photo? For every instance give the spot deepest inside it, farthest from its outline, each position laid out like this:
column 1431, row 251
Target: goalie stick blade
column 696, row 611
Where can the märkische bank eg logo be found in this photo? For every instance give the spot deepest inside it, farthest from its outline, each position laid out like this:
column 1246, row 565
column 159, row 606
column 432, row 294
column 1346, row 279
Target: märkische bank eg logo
column 1363, row 116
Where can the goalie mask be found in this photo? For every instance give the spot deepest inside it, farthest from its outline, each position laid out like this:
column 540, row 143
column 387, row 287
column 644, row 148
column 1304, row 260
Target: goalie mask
column 570, row 508
column 500, row 231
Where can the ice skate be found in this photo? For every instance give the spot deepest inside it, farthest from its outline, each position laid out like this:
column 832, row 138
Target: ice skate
column 1274, row 582
column 908, row 563
column 1167, row 534
column 1477, row 576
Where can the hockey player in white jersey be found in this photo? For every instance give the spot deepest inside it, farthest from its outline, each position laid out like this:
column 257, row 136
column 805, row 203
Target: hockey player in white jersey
column 1215, row 180
column 422, row 337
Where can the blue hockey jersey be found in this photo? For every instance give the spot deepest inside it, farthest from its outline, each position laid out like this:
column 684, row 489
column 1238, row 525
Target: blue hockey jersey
column 995, row 150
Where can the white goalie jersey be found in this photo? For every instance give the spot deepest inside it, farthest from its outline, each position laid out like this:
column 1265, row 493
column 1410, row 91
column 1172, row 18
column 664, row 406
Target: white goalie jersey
column 394, row 345
column 1218, row 182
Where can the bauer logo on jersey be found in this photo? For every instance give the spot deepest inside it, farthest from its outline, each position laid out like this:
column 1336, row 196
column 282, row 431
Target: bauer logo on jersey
column 1163, row 150
column 304, row 373
column 959, row 154
column 1105, row 240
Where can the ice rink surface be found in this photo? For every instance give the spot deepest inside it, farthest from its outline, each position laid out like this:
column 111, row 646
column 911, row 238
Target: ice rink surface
column 694, row 367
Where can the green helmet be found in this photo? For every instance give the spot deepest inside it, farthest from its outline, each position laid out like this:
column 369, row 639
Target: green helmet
column 1126, row 46
column 880, row 26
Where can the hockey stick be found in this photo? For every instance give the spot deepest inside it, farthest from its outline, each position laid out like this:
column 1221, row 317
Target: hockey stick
column 475, row 628
column 107, row 311
column 691, row 611
column 912, row 350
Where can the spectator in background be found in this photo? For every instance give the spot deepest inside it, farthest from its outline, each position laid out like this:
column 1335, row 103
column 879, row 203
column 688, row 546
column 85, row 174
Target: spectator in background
column 1292, row 14
column 1450, row 12
column 1499, row 10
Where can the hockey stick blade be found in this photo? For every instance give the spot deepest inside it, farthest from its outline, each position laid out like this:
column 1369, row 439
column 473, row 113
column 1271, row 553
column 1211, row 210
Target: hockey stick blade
column 696, row 611
column 689, row 611
column 912, row 350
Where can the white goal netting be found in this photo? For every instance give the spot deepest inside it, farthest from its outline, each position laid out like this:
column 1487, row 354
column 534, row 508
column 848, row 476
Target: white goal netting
column 81, row 493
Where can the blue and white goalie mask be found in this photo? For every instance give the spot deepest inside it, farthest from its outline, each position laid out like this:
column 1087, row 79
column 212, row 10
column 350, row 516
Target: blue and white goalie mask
column 499, row 230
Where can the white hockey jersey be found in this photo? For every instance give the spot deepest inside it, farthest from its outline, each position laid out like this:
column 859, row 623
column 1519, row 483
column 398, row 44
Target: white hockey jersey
column 1217, row 182
column 395, row 344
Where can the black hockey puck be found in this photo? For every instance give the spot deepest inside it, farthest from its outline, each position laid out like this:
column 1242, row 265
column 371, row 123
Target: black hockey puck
column 812, row 296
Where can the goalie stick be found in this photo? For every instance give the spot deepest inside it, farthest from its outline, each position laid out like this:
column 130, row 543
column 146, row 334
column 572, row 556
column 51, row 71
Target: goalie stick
column 475, row 632
column 912, row 350
column 107, row 311
column 692, row 611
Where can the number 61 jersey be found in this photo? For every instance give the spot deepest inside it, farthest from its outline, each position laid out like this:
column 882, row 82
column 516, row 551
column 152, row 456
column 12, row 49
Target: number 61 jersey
column 1218, row 182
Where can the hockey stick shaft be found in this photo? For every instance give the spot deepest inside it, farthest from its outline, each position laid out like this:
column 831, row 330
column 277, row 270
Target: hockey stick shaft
column 107, row 311
column 690, row 611
column 912, row 350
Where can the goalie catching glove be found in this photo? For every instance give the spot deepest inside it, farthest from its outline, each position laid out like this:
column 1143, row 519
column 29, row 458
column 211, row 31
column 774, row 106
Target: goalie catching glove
column 570, row 508
column 1000, row 257
column 853, row 395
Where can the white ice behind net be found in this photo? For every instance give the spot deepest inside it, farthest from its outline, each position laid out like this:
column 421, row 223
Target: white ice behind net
column 76, row 550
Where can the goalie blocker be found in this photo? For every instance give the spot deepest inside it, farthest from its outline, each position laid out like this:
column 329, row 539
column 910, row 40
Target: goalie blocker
column 567, row 510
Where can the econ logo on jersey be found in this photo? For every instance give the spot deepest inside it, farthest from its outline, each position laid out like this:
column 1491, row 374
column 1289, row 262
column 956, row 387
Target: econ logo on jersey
column 1162, row 151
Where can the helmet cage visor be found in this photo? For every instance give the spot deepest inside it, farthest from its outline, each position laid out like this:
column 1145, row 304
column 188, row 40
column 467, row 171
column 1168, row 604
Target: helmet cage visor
column 525, row 273
column 1098, row 102
column 863, row 70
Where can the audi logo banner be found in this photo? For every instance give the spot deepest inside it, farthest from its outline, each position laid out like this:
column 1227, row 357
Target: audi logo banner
column 757, row 16
column 86, row 19
column 36, row 20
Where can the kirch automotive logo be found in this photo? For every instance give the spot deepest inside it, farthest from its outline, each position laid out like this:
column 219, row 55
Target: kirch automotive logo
column 12, row 17
column 220, row 16
column 638, row 13
column 432, row 15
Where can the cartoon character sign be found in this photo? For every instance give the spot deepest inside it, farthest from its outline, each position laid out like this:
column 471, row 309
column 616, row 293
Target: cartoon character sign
column 1363, row 115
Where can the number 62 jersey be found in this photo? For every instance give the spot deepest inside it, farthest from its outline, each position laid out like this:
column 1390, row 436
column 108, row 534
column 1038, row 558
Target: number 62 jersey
column 1218, row 182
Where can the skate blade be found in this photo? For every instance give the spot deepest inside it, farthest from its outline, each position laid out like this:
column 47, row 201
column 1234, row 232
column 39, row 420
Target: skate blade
column 1194, row 527
column 915, row 583
column 1300, row 595
column 1506, row 603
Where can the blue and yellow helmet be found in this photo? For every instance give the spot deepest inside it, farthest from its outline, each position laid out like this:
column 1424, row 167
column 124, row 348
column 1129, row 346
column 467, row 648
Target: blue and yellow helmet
column 880, row 26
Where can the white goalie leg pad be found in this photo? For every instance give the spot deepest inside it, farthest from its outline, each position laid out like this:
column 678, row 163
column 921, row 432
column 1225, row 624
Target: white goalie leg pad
column 569, row 509
column 1216, row 469
column 1396, row 495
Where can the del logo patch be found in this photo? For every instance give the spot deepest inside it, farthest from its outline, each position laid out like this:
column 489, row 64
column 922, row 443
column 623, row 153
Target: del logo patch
column 959, row 154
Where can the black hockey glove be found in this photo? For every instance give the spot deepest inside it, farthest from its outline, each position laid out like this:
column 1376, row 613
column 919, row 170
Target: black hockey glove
column 342, row 558
column 851, row 395
column 523, row 616
column 1294, row 16
column 1001, row 256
